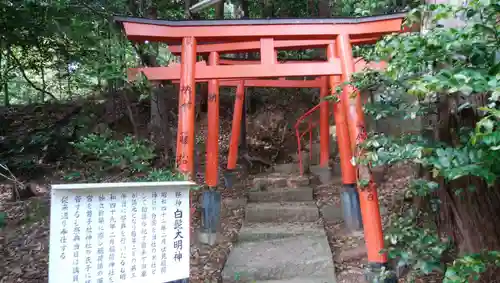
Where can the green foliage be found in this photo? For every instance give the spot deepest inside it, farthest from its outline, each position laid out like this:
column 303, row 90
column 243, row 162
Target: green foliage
column 103, row 158
column 161, row 175
column 3, row 219
column 65, row 49
column 121, row 154
column 455, row 64
column 104, row 155
column 470, row 267
column 36, row 210
column 414, row 243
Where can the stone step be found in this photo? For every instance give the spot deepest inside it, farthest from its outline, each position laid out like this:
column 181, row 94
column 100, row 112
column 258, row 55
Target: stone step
column 252, row 232
column 269, row 181
column 282, row 194
column 278, row 180
column 280, row 259
column 282, row 212
column 302, row 280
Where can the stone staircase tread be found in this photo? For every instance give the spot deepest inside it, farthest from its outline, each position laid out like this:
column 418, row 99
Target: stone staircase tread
column 285, row 204
column 302, row 280
column 276, row 180
column 301, row 256
column 282, row 212
column 282, row 194
column 269, row 231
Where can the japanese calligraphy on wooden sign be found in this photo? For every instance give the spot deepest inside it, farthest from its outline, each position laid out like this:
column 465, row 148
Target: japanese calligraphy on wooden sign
column 119, row 232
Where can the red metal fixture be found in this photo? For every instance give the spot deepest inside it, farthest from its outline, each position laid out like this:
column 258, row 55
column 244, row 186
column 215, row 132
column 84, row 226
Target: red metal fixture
column 299, row 135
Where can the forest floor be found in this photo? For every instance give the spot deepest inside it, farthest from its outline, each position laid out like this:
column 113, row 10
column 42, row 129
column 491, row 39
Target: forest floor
column 24, row 241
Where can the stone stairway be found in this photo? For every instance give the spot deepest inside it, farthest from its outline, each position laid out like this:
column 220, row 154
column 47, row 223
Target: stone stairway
column 281, row 239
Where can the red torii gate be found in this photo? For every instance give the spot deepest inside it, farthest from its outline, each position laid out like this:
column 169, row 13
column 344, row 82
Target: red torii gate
column 225, row 36
column 319, row 83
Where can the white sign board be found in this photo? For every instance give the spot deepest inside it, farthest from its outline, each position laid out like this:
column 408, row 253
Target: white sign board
column 119, row 232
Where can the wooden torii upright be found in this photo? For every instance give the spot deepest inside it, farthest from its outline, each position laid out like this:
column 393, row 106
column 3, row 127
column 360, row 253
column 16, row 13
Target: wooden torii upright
column 213, row 37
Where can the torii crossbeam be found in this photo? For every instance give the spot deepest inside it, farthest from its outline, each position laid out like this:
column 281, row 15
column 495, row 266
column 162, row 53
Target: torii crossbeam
column 214, row 37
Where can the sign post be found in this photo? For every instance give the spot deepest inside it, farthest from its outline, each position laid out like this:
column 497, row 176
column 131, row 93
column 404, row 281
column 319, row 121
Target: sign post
column 120, row 232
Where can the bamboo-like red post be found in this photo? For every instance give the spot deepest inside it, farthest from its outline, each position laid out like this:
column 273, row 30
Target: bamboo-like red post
column 212, row 166
column 324, row 126
column 185, row 133
column 370, row 211
column 236, row 126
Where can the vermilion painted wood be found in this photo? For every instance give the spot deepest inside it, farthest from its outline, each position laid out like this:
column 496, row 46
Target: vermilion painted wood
column 236, row 127
column 342, row 130
column 279, row 83
column 203, row 71
column 212, row 165
column 246, row 46
column 241, row 71
column 360, row 64
column 159, row 33
column 324, row 126
column 185, row 136
column 369, row 204
column 267, row 55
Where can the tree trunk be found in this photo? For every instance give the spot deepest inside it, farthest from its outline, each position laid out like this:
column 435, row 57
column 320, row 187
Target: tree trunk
column 312, row 8
column 159, row 129
column 469, row 216
column 245, row 8
column 324, row 10
column 44, row 84
column 5, row 74
column 267, row 8
column 68, row 81
column 219, row 10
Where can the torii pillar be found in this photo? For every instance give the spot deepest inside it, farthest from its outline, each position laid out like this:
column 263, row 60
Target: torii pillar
column 368, row 198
